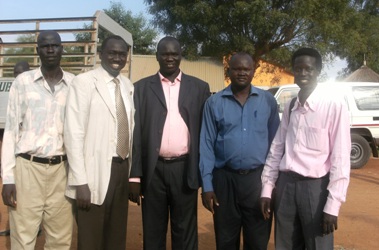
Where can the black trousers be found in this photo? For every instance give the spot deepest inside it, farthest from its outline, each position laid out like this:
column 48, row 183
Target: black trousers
column 168, row 198
column 104, row 227
column 239, row 208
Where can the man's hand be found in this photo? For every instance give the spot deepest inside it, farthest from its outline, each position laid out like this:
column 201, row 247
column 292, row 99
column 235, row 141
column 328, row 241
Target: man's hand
column 209, row 199
column 9, row 195
column 329, row 223
column 135, row 192
column 83, row 197
column 266, row 207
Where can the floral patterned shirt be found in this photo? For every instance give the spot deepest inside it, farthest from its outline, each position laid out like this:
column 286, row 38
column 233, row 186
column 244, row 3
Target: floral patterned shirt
column 34, row 121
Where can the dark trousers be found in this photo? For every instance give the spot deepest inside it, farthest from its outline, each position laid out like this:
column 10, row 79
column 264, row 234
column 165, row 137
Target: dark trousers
column 239, row 207
column 168, row 197
column 299, row 205
column 104, row 227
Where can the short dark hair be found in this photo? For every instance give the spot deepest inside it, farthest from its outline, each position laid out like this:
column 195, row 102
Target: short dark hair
column 168, row 38
column 24, row 64
column 308, row 52
column 106, row 40
column 242, row 53
column 45, row 33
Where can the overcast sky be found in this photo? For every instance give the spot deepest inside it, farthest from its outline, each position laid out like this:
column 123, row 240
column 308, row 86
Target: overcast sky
column 24, row 9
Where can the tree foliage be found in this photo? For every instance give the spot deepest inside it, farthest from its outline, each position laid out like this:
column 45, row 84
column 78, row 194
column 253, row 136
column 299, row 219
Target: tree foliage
column 268, row 29
column 137, row 25
column 367, row 49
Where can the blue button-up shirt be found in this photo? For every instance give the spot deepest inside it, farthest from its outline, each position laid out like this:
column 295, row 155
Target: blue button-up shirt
column 234, row 135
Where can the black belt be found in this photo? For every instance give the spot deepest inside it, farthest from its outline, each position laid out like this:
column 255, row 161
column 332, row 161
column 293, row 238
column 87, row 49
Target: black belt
column 242, row 171
column 174, row 159
column 56, row 159
column 118, row 159
column 298, row 177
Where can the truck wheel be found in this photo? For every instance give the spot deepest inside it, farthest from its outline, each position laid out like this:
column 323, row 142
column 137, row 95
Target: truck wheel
column 360, row 151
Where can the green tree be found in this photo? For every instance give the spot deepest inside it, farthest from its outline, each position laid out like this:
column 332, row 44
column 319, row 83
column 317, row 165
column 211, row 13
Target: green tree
column 143, row 34
column 368, row 48
column 268, row 29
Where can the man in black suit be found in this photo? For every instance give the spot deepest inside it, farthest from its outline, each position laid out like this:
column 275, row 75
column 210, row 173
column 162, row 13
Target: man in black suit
column 165, row 164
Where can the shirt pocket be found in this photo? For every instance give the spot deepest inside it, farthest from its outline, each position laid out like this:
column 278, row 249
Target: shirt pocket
column 316, row 139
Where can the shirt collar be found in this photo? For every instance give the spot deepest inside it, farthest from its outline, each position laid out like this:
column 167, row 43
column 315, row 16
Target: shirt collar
column 108, row 78
column 228, row 91
column 312, row 100
column 38, row 75
column 164, row 79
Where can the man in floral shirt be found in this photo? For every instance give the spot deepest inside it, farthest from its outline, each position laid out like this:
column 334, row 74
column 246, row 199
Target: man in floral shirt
column 34, row 164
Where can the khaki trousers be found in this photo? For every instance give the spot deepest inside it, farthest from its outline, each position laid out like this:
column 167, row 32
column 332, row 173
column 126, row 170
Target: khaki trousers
column 40, row 199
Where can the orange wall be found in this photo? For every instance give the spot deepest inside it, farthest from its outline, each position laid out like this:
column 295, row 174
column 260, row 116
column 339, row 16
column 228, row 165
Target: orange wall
column 268, row 75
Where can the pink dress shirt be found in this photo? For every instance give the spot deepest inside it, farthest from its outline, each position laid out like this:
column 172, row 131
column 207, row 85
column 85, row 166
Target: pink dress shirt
column 316, row 142
column 175, row 138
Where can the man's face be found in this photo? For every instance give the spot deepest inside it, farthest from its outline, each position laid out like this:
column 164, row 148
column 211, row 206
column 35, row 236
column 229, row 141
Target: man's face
column 50, row 49
column 169, row 56
column 241, row 71
column 305, row 71
column 114, row 56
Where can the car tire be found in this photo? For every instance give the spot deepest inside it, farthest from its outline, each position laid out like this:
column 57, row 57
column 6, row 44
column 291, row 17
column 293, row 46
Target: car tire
column 360, row 151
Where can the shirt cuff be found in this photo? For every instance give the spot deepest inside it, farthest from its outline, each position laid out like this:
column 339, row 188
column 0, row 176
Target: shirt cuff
column 267, row 190
column 332, row 207
column 207, row 184
column 8, row 180
column 72, row 181
column 135, row 179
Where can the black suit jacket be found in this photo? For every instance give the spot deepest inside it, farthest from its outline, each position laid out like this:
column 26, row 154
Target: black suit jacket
column 150, row 117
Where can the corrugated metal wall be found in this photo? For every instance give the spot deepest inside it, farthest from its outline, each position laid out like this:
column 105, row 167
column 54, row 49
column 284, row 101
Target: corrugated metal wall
column 207, row 69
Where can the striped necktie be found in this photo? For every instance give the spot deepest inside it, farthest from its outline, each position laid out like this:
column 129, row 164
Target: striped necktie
column 122, row 148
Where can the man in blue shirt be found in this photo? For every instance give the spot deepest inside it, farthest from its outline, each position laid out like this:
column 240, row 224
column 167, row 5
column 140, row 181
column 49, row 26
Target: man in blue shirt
column 239, row 124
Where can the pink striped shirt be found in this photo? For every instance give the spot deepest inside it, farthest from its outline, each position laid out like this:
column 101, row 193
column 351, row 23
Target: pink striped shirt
column 175, row 138
column 316, row 142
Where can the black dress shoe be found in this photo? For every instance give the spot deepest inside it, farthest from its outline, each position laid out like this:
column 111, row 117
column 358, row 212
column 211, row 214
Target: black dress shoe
column 5, row 233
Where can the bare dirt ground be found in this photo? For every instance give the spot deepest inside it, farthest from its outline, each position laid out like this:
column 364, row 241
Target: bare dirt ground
column 358, row 225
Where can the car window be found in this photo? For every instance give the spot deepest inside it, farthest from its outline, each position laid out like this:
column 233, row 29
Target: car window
column 367, row 97
column 285, row 96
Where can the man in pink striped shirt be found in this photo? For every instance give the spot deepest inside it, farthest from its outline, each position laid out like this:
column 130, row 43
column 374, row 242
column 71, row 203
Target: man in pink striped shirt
column 308, row 163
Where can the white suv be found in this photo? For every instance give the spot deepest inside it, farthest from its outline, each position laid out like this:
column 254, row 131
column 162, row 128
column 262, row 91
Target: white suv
column 362, row 99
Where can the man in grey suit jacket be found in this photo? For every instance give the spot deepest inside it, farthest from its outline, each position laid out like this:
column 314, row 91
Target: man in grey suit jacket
column 99, row 171
column 166, row 150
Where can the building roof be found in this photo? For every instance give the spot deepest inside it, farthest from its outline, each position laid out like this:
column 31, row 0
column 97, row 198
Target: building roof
column 363, row 74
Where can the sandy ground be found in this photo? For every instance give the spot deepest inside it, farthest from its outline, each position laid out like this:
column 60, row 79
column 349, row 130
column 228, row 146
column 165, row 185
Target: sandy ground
column 358, row 225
